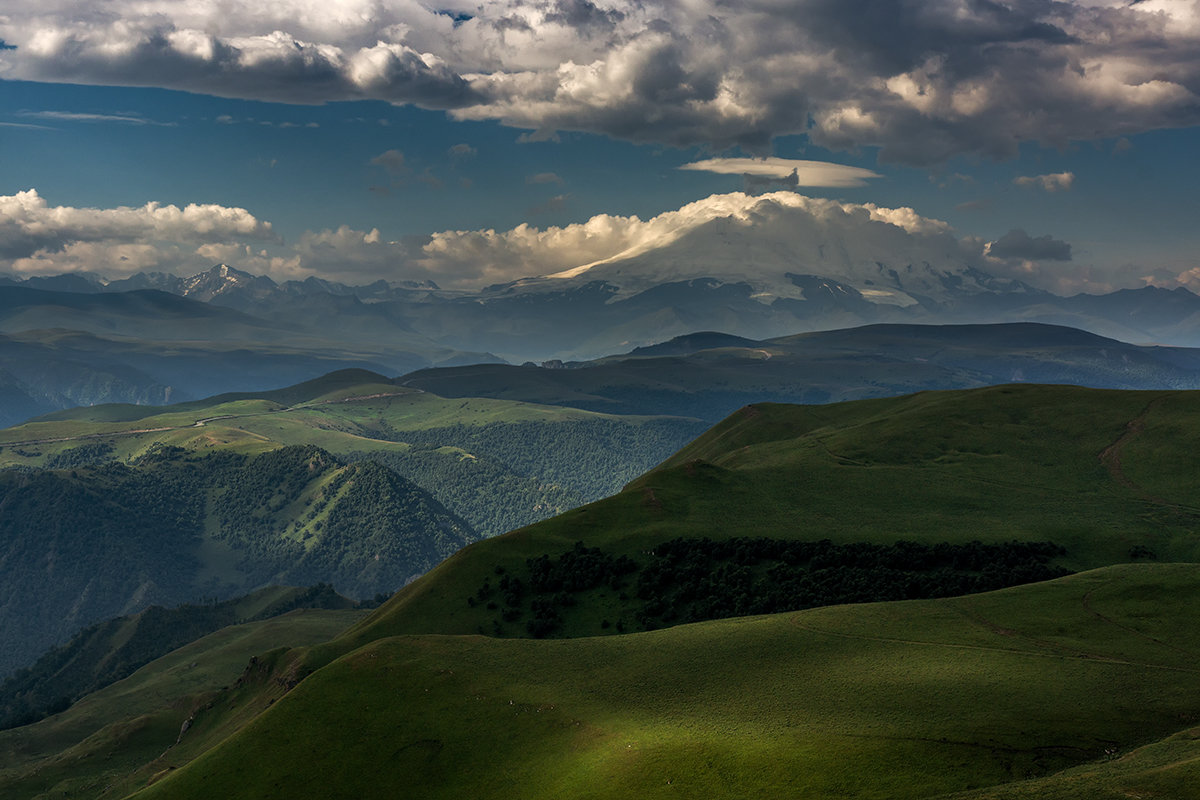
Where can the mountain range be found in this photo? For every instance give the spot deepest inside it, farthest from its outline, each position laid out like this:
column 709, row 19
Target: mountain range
column 754, row 266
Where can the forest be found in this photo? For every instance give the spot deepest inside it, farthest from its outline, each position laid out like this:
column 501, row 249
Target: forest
column 691, row 580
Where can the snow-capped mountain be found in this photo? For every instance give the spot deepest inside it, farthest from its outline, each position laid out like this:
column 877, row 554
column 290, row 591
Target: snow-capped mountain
column 883, row 256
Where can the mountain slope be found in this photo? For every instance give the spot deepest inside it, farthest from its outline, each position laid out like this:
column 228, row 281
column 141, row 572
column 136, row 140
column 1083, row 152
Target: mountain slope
column 96, row 542
column 1099, row 473
column 710, row 375
column 91, row 747
column 903, row 700
column 109, row 651
column 499, row 464
column 909, row 699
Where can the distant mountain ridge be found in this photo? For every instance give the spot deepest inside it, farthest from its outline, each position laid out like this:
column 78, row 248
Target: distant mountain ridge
column 756, row 266
column 622, row 304
column 709, row 375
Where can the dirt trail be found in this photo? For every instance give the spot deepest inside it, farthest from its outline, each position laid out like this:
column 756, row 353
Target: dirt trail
column 1087, row 604
column 1110, row 457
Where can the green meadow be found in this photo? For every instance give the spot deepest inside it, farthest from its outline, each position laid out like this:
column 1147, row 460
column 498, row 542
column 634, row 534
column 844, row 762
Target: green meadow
column 1104, row 474
column 898, row 700
column 1086, row 686
column 104, row 737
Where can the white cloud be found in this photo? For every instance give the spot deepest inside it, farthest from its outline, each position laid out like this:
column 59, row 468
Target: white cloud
column 39, row 238
column 808, row 173
column 71, row 116
column 1053, row 182
column 923, row 80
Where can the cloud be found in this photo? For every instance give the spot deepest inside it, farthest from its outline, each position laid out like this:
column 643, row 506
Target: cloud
column 392, row 162
column 552, row 206
column 36, row 237
column 71, row 116
column 924, row 80
column 793, row 172
column 543, row 177
column 462, row 150
column 1054, row 182
column 475, row 258
column 1020, row 245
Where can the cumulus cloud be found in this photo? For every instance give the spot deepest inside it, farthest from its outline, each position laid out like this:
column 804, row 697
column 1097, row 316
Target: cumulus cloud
column 793, row 172
column 923, row 79
column 1054, row 182
column 462, row 150
column 37, row 238
column 543, row 177
column 1020, row 245
column 488, row 256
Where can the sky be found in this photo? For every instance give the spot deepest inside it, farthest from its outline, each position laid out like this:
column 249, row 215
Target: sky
column 471, row 143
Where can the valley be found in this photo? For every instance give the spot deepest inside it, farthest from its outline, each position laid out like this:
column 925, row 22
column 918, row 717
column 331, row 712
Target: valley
column 1086, row 668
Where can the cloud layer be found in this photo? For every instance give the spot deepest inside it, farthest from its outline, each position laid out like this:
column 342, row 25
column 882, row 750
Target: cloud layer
column 37, row 238
column 923, row 79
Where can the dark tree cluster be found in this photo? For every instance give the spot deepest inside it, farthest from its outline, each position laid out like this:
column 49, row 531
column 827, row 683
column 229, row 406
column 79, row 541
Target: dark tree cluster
column 552, row 584
column 689, row 580
column 85, row 455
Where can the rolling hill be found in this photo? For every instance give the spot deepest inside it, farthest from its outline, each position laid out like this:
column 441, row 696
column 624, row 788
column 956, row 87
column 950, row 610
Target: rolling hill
column 91, row 747
column 1103, row 474
column 915, row 699
column 1078, row 686
column 710, row 375
column 499, row 464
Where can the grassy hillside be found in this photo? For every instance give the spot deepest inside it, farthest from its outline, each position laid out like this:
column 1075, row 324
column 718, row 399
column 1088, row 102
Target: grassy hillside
column 88, row 749
column 89, row 543
column 901, row 700
column 111, row 650
column 1086, row 683
column 500, row 464
column 1102, row 474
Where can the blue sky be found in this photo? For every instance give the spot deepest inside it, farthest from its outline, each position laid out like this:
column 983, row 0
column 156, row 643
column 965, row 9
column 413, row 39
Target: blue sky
column 313, row 146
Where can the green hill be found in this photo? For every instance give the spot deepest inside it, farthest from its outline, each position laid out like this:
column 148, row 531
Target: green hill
column 87, row 750
column 1102, row 474
column 87, row 544
column 499, row 464
column 111, row 650
column 1085, row 683
column 899, row 700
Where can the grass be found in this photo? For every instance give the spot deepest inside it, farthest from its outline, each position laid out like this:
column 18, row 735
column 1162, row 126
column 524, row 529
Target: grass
column 110, row 733
column 1016, row 462
column 900, row 700
column 332, row 414
column 1074, row 688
